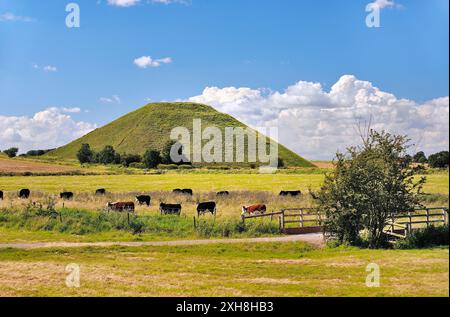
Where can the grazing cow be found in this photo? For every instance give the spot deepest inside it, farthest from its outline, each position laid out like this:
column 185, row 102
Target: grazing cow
column 100, row 192
column 170, row 209
column 185, row 191
column 1, row 195
column 224, row 193
column 66, row 195
column 24, row 193
column 254, row 209
column 292, row 193
column 202, row 208
column 121, row 206
column 144, row 199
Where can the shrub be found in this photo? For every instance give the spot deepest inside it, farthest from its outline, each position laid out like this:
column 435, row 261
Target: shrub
column 137, row 165
column 11, row 152
column 368, row 185
column 425, row 238
column 128, row 159
column 152, row 158
column 167, row 166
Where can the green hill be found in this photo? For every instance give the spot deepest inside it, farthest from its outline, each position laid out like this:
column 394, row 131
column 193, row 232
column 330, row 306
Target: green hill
column 150, row 126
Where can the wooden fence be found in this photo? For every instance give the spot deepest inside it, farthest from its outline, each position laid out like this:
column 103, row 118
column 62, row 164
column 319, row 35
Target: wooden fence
column 309, row 220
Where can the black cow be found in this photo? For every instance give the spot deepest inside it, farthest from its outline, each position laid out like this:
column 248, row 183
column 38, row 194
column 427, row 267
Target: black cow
column 144, row 199
column 100, row 192
column 224, row 193
column 185, row 191
column 292, row 193
column 24, row 193
column 209, row 206
column 1, row 195
column 66, row 195
column 170, row 209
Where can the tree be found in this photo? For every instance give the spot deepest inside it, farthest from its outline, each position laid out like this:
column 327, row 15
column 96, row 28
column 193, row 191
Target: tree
column 369, row 185
column 128, row 159
column 108, row 156
column 152, row 158
column 420, row 157
column 439, row 160
column 169, row 147
column 11, row 152
column 85, row 154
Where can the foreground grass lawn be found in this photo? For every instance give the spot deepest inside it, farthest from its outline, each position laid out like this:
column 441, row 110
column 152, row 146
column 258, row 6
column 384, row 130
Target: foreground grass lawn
column 282, row 269
column 437, row 183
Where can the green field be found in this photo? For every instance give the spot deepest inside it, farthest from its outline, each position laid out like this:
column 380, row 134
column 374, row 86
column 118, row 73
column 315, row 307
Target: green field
column 268, row 269
column 437, row 183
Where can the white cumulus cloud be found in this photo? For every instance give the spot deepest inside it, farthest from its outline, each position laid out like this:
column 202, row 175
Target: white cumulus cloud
column 147, row 61
column 315, row 123
column 50, row 128
column 46, row 68
column 112, row 99
column 11, row 17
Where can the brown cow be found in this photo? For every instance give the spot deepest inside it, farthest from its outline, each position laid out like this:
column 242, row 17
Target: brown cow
column 121, row 206
column 254, row 209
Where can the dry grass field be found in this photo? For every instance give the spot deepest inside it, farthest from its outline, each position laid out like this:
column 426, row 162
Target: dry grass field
column 22, row 166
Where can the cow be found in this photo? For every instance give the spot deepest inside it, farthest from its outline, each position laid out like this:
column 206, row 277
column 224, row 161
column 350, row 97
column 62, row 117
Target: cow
column 144, row 199
column 254, row 209
column 24, row 193
column 170, row 209
column 292, row 193
column 185, row 191
column 203, row 208
column 1, row 195
column 100, row 192
column 66, row 195
column 223, row 194
column 121, row 206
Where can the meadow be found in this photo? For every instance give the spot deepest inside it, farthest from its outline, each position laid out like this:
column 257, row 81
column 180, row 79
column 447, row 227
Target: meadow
column 266, row 269
column 436, row 182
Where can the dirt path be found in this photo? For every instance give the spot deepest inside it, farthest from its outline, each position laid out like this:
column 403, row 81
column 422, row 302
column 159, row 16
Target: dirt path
column 314, row 239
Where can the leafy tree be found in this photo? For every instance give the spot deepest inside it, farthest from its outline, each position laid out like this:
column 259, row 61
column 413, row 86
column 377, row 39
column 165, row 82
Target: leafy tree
column 11, row 152
column 420, row 157
column 108, row 156
column 369, row 185
column 85, row 154
column 128, row 159
column 152, row 158
column 166, row 153
column 439, row 160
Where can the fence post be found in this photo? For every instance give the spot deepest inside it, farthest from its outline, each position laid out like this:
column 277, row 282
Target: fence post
column 428, row 218
column 195, row 223
column 128, row 216
column 301, row 218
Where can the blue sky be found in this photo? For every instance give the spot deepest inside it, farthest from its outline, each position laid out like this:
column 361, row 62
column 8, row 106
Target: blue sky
column 257, row 44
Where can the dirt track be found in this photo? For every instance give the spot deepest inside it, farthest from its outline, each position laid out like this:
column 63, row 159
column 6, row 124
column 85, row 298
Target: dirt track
column 315, row 239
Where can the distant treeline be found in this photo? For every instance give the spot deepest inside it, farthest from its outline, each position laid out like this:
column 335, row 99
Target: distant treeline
column 151, row 158
column 12, row 152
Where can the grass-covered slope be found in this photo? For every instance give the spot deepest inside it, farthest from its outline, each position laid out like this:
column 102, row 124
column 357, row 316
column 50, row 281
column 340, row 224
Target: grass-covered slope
column 150, row 126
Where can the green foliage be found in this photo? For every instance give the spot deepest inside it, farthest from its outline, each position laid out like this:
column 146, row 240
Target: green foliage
column 108, row 156
column 152, row 158
column 11, row 152
column 149, row 128
column 128, row 159
column 425, row 238
column 420, row 157
column 368, row 185
column 439, row 160
column 85, row 154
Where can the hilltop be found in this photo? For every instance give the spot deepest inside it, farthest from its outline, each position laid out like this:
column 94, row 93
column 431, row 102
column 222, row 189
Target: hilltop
column 150, row 126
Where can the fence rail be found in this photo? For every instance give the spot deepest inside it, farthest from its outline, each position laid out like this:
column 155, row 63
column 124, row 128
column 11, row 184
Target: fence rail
column 308, row 220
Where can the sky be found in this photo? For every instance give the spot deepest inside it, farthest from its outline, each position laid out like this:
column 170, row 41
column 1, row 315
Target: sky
column 312, row 68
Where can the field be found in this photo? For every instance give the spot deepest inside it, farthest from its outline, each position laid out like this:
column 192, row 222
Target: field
column 22, row 166
column 437, row 183
column 286, row 269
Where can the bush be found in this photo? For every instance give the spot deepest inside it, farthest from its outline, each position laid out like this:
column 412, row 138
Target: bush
column 425, row 238
column 12, row 152
column 128, row 159
column 152, row 158
column 108, row 156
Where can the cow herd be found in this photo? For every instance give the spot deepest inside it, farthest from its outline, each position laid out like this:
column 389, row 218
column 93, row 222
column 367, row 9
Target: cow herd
column 167, row 209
